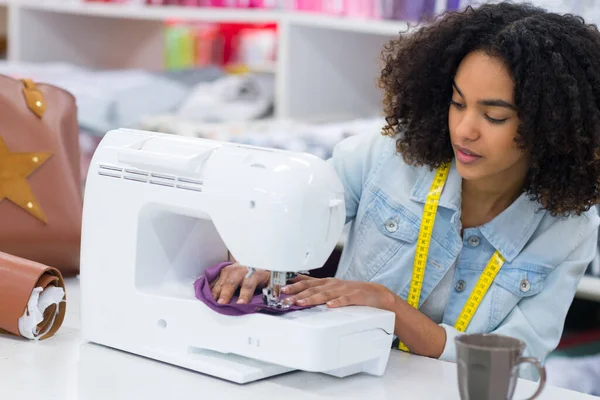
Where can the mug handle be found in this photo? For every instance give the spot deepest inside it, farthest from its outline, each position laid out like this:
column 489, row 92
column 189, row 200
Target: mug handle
column 541, row 370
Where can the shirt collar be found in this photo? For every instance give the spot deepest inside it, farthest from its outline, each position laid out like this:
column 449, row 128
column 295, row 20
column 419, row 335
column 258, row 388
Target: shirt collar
column 451, row 194
column 508, row 232
column 512, row 228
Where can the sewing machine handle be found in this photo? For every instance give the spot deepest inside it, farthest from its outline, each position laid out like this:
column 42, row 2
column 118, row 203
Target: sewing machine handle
column 158, row 160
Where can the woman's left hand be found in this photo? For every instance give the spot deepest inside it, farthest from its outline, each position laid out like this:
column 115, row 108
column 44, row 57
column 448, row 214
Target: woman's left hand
column 307, row 291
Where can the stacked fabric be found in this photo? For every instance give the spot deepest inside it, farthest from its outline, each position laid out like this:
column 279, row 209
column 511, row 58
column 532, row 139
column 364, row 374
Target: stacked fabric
column 318, row 139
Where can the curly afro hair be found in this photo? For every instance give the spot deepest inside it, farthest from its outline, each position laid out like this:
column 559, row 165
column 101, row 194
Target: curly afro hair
column 554, row 61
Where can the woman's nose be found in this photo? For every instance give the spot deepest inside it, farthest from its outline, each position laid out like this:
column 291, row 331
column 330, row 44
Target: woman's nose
column 467, row 127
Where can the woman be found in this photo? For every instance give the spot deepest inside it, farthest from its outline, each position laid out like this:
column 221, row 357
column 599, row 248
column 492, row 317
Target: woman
column 497, row 108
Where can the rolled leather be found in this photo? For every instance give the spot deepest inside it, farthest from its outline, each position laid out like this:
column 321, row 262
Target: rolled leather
column 32, row 298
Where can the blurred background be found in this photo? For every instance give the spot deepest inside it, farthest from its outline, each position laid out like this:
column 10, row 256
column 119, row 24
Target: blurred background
column 293, row 74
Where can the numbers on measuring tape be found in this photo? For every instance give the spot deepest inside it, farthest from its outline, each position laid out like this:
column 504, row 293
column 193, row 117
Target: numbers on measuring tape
column 481, row 287
column 420, row 261
column 424, row 239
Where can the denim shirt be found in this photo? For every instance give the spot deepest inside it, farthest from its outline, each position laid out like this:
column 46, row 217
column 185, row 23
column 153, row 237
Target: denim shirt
column 546, row 256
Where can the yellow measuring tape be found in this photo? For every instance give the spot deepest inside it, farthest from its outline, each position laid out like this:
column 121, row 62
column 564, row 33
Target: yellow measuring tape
column 422, row 251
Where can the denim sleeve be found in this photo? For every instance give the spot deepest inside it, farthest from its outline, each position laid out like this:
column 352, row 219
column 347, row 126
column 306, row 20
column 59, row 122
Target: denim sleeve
column 355, row 159
column 539, row 320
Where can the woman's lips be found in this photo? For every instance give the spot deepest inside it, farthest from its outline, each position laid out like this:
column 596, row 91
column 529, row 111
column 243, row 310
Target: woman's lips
column 466, row 156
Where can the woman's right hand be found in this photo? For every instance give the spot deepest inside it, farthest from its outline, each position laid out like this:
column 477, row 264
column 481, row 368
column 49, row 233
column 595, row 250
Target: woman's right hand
column 233, row 277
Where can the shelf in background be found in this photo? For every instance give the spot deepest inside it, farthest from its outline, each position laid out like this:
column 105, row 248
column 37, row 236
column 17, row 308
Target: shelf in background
column 162, row 13
column 349, row 24
column 158, row 13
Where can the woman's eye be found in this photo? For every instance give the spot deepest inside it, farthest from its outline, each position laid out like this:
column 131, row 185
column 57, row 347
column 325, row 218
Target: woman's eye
column 495, row 121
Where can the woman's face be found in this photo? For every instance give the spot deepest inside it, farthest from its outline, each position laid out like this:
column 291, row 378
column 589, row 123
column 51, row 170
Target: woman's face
column 483, row 121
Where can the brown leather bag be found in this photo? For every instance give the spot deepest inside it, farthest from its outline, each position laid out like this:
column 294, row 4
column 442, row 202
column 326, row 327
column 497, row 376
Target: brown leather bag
column 40, row 185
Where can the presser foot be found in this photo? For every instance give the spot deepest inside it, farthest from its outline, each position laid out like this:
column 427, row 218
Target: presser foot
column 272, row 293
column 273, row 301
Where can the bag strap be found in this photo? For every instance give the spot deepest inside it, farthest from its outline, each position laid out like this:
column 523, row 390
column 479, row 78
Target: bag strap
column 34, row 98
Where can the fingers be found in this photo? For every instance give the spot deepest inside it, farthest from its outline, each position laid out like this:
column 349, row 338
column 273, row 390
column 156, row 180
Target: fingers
column 302, row 285
column 227, row 283
column 345, row 300
column 330, row 291
column 318, row 297
column 230, row 279
column 319, row 291
column 247, row 290
column 215, row 287
column 301, row 277
column 229, row 287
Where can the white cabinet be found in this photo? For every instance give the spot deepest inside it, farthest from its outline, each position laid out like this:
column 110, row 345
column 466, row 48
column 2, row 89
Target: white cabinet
column 327, row 69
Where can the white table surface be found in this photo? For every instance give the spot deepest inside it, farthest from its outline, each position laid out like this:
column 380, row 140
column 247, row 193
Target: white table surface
column 65, row 368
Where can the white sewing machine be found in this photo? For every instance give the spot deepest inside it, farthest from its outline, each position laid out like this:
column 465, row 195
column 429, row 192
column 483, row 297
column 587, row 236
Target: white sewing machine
column 159, row 209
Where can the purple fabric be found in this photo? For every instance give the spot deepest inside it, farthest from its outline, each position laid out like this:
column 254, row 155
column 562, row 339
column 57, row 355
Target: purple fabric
column 256, row 304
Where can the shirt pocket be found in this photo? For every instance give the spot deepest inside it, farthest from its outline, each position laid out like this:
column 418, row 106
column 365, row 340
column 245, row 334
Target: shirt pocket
column 513, row 283
column 385, row 230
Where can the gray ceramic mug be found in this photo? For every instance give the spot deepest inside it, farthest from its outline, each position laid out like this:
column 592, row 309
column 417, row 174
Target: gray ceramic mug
column 488, row 364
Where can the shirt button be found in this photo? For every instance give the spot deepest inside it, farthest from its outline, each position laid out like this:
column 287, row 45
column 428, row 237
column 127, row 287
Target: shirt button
column 474, row 241
column 460, row 286
column 391, row 226
column 525, row 286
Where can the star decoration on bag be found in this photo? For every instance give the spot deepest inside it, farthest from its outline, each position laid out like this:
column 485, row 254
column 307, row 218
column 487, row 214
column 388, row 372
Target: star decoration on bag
column 15, row 168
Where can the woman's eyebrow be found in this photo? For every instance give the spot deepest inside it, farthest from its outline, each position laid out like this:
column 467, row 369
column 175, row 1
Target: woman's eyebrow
column 457, row 89
column 497, row 103
column 488, row 102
